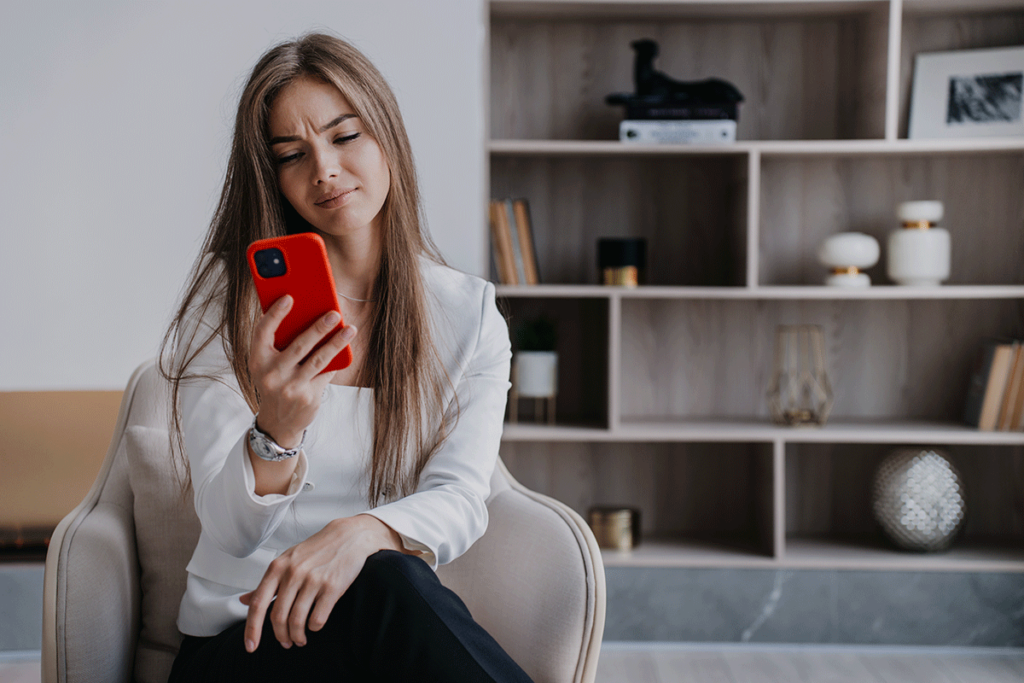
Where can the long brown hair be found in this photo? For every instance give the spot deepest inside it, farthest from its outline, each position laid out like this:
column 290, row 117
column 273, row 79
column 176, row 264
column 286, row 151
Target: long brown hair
column 402, row 364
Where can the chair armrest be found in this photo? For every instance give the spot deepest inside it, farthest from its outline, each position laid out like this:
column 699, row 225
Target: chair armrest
column 91, row 595
column 535, row 581
column 92, row 604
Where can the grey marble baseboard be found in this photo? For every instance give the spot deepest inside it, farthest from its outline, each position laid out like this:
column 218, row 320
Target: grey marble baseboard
column 21, row 606
column 827, row 607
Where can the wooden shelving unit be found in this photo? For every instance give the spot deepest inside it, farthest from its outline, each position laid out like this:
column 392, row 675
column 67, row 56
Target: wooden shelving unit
column 763, row 430
column 662, row 388
column 755, row 293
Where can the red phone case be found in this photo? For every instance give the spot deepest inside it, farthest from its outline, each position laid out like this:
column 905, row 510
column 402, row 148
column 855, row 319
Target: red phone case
column 309, row 281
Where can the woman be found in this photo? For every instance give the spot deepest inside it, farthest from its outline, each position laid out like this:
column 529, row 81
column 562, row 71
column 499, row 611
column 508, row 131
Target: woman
column 327, row 499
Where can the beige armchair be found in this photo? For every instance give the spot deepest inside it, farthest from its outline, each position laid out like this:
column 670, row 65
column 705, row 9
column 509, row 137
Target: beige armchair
column 115, row 570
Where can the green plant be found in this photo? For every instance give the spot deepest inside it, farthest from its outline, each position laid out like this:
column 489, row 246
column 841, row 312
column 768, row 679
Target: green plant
column 536, row 334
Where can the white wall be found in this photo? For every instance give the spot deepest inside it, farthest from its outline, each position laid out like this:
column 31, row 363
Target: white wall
column 115, row 120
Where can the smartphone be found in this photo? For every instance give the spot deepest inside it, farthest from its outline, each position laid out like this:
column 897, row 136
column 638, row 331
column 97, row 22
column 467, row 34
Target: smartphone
column 297, row 265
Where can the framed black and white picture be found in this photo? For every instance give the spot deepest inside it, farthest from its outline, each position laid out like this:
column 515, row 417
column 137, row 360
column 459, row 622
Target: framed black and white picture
column 968, row 94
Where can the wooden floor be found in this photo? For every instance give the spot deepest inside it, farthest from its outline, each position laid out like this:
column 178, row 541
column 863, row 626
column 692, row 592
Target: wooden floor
column 625, row 663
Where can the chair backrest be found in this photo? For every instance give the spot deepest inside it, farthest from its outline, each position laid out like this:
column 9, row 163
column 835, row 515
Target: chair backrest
column 115, row 569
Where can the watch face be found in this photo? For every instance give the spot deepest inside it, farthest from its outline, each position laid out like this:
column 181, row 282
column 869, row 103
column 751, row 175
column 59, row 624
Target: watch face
column 266, row 450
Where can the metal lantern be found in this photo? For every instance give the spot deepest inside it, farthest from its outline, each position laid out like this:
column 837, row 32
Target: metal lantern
column 800, row 393
column 918, row 499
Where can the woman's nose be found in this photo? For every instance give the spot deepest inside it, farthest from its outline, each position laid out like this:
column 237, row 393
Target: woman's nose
column 326, row 165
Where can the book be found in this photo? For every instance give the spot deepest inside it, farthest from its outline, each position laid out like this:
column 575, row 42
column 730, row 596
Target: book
column 712, row 132
column 979, row 380
column 524, row 229
column 501, row 243
column 1013, row 388
column 995, row 386
column 1016, row 422
column 517, row 249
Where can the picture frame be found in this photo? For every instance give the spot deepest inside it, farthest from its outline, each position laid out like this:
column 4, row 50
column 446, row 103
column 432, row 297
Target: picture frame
column 968, row 94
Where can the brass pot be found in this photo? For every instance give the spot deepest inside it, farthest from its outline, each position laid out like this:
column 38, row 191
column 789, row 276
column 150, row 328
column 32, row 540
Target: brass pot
column 615, row 527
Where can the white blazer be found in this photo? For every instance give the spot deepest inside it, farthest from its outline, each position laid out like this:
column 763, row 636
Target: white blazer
column 243, row 532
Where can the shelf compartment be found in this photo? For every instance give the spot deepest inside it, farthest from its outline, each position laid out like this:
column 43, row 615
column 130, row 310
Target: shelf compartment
column 829, row 521
column 949, row 7
column 882, row 357
column 930, row 26
column 581, row 326
column 716, row 497
column 808, row 72
column 692, row 211
column 824, row 196
column 606, row 10
column 766, row 293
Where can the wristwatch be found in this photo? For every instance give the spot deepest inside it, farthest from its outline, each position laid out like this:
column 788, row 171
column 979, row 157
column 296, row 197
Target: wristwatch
column 267, row 449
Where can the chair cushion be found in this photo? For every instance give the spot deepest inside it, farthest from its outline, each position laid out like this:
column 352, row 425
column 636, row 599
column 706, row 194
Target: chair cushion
column 166, row 532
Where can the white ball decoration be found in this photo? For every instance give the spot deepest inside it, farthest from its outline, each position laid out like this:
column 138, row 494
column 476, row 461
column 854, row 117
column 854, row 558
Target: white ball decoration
column 918, row 499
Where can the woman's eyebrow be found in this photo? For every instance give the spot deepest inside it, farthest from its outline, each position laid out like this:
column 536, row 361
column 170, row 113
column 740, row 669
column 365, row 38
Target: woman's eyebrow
column 325, row 127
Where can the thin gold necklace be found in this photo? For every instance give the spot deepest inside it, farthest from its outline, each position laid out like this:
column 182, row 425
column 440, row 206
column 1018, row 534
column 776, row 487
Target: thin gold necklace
column 352, row 298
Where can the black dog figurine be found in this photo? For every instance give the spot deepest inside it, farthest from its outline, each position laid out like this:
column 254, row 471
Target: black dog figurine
column 660, row 96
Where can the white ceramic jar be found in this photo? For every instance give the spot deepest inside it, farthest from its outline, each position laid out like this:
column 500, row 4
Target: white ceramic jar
column 919, row 253
column 847, row 254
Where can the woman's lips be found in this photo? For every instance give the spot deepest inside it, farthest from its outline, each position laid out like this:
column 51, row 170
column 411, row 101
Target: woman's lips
column 335, row 200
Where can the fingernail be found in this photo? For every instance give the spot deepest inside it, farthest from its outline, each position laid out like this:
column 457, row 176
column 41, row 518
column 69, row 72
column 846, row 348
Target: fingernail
column 286, row 301
column 250, row 646
column 332, row 318
column 286, row 646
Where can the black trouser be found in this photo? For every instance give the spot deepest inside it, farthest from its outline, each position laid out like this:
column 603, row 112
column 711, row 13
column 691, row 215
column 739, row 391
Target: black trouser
column 395, row 623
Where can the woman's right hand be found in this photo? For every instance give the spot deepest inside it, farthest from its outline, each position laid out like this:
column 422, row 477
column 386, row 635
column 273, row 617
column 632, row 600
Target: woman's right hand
column 289, row 390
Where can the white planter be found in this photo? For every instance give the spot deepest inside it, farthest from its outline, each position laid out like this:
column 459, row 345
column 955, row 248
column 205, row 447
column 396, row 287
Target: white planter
column 535, row 373
column 919, row 258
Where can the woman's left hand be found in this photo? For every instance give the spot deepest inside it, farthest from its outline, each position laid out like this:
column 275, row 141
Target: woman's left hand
column 313, row 575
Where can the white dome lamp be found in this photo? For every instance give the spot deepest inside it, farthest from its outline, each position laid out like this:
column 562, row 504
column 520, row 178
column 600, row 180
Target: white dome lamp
column 847, row 254
column 919, row 252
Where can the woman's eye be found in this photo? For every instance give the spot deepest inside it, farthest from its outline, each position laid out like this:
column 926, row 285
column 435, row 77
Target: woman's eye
column 287, row 158
column 347, row 138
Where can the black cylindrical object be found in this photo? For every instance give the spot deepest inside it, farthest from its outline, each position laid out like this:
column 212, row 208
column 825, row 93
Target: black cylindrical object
column 622, row 260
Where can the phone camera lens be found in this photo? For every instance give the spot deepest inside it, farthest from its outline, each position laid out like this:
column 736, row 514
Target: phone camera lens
column 270, row 263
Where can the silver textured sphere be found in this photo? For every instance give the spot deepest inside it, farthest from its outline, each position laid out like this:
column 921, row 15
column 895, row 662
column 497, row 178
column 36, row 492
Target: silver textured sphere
column 918, row 499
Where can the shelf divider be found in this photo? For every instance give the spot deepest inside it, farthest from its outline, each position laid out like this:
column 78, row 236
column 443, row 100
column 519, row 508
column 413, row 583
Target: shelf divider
column 614, row 360
column 826, row 554
column 892, row 81
column 872, row 554
column 753, row 217
column 864, row 147
column 779, row 498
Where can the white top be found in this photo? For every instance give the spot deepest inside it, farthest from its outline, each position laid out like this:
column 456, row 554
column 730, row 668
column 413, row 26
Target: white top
column 243, row 532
